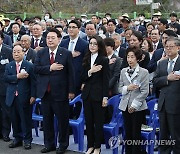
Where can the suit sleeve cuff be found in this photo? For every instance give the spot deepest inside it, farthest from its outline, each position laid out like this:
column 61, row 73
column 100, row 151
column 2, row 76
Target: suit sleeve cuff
column 89, row 74
column 136, row 104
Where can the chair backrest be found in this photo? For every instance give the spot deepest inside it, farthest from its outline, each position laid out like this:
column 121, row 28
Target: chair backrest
column 150, row 98
column 114, row 101
column 74, row 101
column 151, row 105
column 38, row 101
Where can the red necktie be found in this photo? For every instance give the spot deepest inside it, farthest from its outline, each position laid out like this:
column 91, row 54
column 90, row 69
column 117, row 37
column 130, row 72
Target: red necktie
column 17, row 70
column 51, row 62
column 36, row 43
column 52, row 58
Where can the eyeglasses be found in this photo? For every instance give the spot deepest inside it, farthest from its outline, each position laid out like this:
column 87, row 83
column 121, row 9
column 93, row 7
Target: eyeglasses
column 93, row 44
column 170, row 47
column 72, row 27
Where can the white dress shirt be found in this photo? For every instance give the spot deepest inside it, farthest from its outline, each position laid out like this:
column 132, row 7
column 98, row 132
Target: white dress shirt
column 55, row 51
column 93, row 58
column 72, row 44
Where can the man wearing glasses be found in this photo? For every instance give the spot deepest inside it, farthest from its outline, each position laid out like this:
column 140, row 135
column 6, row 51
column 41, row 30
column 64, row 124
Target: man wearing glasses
column 77, row 47
column 167, row 78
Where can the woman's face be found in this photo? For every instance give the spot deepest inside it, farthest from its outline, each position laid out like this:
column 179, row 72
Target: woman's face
column 104, row 21
column 131, row 59
column 145, row 46
column 149, row 28
column 93, row 46
column 134, row 42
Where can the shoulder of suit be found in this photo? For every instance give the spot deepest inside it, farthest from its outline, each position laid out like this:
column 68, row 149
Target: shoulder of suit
column 7, row 48
column 83, row 41
column 27, row 63
column 143, row 70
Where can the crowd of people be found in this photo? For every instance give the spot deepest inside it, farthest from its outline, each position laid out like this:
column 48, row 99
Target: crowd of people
column 56, row 60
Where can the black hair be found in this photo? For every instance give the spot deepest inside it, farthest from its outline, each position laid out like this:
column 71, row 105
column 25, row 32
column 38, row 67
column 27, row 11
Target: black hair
column 78, row 24
column 101, row 49
column 55, row 31
column 109, row 42
column 138, row 35
column 112, row 20
column 58, row 26
column 169, row 32
column 15, row 23
column 90, row 23
column 137, row 52
column 18, row 18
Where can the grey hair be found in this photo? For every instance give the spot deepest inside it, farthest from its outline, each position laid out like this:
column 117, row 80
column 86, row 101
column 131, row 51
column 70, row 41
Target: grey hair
column 176, row 40
column 117, row 34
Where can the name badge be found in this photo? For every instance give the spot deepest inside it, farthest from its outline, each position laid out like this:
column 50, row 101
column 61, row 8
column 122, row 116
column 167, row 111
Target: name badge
column 3, row 62
column 6, row 61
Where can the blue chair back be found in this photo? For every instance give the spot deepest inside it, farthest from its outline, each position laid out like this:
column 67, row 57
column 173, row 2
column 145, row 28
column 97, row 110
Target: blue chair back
column 38, row 101
column 114, row 101
column 151, row 105
column 74, row 101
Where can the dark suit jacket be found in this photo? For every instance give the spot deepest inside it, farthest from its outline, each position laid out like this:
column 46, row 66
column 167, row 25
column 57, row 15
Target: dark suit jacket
column 18, row 38
column 153, row 62
column 160, row 45
column 5, row 53
column 125, row 45
column 81, row 46
column 26, row 87
column 169, row 90
column 61, row 82
column 42, row 42
column 31, row 55
column 97, row 85
column 7, row 40
column 114, row 75
column 122, row 52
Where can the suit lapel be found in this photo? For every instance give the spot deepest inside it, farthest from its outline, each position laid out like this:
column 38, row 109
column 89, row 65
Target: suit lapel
column 59, row 55
column 77, row 45
column 13, row 67
column 127, row 76
column 98, row 60
column 23, row 66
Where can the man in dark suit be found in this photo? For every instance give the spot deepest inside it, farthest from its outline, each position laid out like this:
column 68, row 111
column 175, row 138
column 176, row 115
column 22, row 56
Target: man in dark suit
column 167, row 78
column 90, row 30
column 15, row 37
column 20, row 94
column 155, row 37
column 30, row 54
column 5, row 122
column 38, row 41
column 55, row 86
column 7, row 38
column 78, row 48
column 160, row 54
column 118, row 50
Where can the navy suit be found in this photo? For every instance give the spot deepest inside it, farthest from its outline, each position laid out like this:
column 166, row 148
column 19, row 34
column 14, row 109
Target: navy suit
column 18, row 38
column 7, row 40
column 42, row 42
column 168, row 107
column 55, row 101
column 20, row 105
column 81, row 46
column 31, row 55
column 5, row 122
column 153, row 62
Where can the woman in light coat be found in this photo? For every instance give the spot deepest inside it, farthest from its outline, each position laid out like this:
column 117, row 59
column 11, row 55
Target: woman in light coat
column 134, row 86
